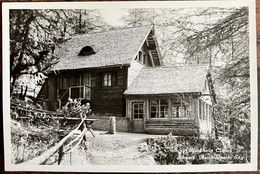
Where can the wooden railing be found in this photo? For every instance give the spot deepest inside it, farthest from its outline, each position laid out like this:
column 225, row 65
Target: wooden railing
column 68, row 146
column 223, row 128
column 84, row 92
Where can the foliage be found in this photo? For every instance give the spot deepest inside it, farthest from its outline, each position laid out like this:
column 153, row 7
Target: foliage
column 192, row 150
column 31, row 114
column 174, row 27
column 25, row 103
column 229, row 36
column 29, row 142
column 29, row 49
column 34, row 134
column 74, row 108
column 85, row 21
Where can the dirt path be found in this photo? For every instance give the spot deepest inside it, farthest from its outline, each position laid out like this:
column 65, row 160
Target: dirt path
column 117, row 149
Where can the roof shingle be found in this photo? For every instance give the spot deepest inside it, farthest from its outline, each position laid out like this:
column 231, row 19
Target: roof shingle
column 117, row 47
column 168, row 80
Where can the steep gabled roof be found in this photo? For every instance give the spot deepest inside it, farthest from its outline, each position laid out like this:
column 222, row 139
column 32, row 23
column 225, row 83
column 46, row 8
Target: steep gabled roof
column 117, row 47
column 168, row 80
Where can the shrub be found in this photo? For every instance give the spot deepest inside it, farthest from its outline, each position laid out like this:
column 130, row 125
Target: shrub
column 74, row 108
column 193, row 150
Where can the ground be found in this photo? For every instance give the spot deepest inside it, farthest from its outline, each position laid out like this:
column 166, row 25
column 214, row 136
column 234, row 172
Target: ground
column 112, row 149
column 29, row 141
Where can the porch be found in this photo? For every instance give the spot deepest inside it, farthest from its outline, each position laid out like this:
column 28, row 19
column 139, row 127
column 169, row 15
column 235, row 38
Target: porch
column 162, row 115
column 83, row 92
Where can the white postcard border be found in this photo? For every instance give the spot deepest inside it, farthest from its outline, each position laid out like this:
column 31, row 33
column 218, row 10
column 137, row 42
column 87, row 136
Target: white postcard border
column 126, row 168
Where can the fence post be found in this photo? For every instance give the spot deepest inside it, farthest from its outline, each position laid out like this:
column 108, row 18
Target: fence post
column 61, row 135
column 112, row 125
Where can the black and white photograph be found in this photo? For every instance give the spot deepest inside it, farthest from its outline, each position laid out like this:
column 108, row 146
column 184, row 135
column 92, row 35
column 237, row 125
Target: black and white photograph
column 130, row 86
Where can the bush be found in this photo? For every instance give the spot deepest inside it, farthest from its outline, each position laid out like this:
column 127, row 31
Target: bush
column 193, row 150
column 74, row 108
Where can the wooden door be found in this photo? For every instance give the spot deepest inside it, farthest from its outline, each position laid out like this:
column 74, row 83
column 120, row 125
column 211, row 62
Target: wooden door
column 137, row 115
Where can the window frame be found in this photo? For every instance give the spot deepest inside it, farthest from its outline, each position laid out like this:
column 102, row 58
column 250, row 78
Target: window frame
column 113, row 79
column 142, row 58
column 159, row 112
column 180, row 112
column 205, row 110
column 108, row 81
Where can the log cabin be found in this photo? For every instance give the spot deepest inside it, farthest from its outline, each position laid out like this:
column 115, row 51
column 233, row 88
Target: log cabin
column 121, row 73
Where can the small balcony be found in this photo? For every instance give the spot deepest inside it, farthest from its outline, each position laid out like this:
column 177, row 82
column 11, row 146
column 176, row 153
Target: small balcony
column 83, row 92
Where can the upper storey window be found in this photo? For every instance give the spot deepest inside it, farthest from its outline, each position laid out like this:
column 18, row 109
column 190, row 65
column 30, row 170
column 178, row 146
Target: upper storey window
column 109, row 79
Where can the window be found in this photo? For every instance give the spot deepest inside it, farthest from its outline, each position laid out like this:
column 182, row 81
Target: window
column 203, row 110
column 200, row 109
column 159, row 108
column 138, row 110
column 109, row 79
column 179, row 111
column 64, row 82
column 142, row 58
column 145, row 59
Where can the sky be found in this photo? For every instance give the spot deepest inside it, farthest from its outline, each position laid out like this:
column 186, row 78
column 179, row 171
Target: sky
column 113, row 15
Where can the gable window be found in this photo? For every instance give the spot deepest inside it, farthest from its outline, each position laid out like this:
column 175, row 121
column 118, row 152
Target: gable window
column 159, row 108
column 142, row 58
column 138, row 110
column 145, row 59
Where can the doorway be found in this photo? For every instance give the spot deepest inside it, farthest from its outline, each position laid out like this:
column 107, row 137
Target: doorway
column 137, row 116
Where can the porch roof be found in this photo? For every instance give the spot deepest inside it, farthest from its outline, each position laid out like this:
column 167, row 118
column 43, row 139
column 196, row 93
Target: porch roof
column 168, row 80
column 112, row 48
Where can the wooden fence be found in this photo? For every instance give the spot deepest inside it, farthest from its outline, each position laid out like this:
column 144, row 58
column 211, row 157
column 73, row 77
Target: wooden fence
column 63, row 146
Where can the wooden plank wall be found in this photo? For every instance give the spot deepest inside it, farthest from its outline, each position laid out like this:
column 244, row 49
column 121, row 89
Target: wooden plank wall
column 109, row 100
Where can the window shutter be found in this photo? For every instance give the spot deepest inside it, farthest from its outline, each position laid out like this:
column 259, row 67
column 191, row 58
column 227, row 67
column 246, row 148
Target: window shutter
column 114, row 78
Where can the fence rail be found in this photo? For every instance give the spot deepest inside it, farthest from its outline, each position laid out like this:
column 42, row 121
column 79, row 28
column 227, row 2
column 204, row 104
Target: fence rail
column 27, row 112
